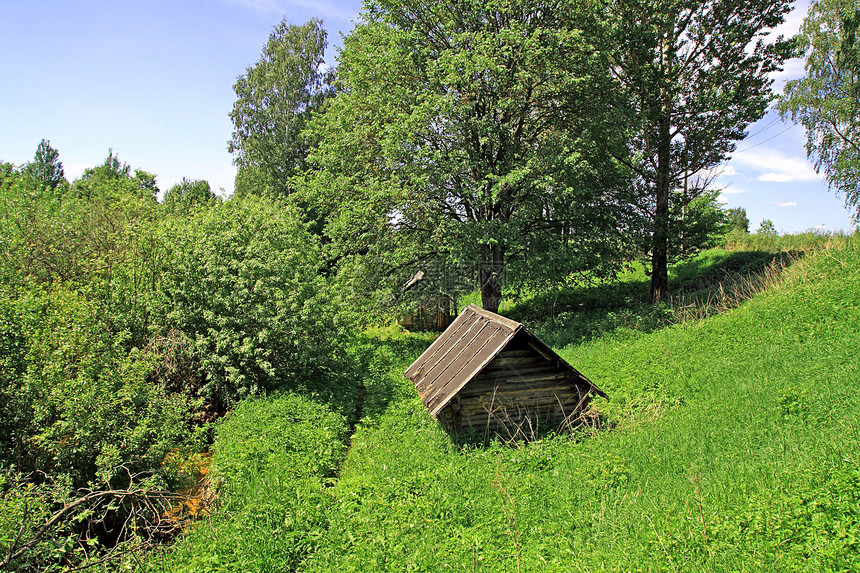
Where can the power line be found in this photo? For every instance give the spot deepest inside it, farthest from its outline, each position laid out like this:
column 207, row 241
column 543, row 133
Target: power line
column 765, row 141
column 765, row 128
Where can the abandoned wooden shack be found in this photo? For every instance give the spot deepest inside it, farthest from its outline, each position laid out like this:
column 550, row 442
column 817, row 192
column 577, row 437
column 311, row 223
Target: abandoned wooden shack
column 434, row 308
column 487, row 372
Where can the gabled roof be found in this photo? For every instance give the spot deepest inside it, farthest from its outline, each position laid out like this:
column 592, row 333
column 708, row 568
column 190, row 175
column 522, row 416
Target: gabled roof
column 460, row 353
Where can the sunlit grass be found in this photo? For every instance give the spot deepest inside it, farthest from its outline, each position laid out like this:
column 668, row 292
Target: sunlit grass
column 732, row 447
column 729, row 443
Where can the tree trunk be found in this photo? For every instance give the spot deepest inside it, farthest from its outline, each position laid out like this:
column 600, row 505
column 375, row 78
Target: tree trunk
column 660, row 236
column 490, row 275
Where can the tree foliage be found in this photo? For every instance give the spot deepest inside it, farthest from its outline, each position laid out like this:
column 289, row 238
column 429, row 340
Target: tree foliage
column 109, row 176
column 693, row 75
column 274, row 100
column 464, row 138
column 188, row 194
column 737, row 220
column 77, row 278
column 46, row 169
column 827, row 100
column 71, row 388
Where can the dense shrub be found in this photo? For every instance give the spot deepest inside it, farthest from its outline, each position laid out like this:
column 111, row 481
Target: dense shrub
column 244, row 282
column 103, row 245
column 74, row 401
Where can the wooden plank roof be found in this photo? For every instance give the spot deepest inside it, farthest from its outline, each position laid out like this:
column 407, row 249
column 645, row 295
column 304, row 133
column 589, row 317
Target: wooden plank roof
column 464, row 349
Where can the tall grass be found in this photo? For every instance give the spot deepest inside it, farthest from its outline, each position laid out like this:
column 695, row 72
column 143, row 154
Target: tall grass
column 807, row 241
column 734, row 448
column 273, row 460
column 713, row 281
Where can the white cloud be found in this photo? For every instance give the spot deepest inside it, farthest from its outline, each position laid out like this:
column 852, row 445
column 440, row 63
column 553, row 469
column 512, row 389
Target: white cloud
column 722, row 170
column 793, row 20
column 773, row 165
column 786, row 204
column 732, row 190
column 792, row 69
column 778, row 177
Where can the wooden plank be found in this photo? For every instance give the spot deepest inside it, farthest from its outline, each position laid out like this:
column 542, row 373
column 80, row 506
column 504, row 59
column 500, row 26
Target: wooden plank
column 459, row 350
column 500, row 363
column 522, row 373
column 525, row 401
column 491, row 316
column 510, row 410
column 508, row 353
column 432, row 354
column 517, row 389
column 467, row 369
column 522, row 400
column 454, row 369
column 534, row 378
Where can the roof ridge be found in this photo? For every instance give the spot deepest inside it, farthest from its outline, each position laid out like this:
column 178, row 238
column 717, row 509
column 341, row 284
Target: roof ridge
column 489, row 315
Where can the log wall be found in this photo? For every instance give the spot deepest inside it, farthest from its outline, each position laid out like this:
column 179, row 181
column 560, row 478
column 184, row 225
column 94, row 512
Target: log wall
column 520, row 389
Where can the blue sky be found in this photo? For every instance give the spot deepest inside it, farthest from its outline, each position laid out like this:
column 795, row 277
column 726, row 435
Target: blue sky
column 154, row 81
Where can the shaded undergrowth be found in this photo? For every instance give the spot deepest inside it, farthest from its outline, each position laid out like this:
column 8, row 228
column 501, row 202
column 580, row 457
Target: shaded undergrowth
column 712, row 282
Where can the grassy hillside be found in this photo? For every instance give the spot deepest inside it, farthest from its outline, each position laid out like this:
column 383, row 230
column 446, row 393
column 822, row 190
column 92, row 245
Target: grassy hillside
column 734, row 447
column 729, row 444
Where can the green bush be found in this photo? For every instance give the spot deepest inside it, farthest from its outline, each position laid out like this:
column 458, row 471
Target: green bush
column 244, row 281
column 75, row 401
column 103, row 245
column 271, row 462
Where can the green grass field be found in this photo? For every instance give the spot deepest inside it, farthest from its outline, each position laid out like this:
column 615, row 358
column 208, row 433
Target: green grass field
column 729, row 443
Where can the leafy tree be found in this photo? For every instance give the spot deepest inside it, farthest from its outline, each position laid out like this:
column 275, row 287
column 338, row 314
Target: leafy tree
column 187, row 194
column 8, row 174
column 463, row 139
column 694, row 74
column 696, row 224
column 737, row 220
column 827, row 100
column 106, row 177
column 102, row 242
column 274, row 99
column 46, row 169
column 766, row 228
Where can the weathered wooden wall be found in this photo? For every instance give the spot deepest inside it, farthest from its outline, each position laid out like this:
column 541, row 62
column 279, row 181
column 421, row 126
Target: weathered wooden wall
column 520, row 388
column 427, row 320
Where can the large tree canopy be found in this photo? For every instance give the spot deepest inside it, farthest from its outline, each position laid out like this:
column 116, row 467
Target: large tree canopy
column 695, row 74
column 464, row 136
column 274, row 99
column 827, row 100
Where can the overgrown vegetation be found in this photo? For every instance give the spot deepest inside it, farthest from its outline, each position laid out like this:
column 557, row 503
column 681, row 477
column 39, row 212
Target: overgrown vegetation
column 463, row 144
column 126, row 326
column 735, row 450
column 273, row 459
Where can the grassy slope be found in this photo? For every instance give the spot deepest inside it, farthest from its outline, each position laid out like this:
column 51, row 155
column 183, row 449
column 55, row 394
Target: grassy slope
column 735, row 449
